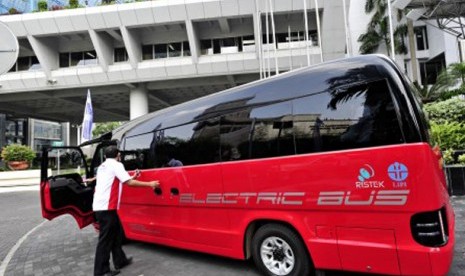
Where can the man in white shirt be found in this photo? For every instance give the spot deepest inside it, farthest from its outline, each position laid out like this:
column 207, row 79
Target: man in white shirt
column 110, row 177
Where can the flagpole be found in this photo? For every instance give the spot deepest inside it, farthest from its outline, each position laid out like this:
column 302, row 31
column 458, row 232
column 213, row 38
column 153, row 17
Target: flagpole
column 346, row 27
column 391, row 31
column 318, row 29
column 306, row 33
column 274, row 39
column 268, row 41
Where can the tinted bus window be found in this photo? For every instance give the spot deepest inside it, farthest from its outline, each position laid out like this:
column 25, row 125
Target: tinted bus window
column 272, row 131
column 235, row 130
column 138, row 152
column 257, row 132
column 191, row 144
column 354, row 117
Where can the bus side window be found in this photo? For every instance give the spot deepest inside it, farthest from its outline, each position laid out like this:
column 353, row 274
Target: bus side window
column 138, row 152
column 352, row 117
column 190, row 144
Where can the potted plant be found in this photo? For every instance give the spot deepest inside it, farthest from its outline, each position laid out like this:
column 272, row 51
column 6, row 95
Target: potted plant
column 18, row 157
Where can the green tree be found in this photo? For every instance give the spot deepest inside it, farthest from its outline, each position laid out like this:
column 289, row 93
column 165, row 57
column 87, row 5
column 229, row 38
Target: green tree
column 457, row 72
column 378, row 30
column 431, row 93
column 102, row 128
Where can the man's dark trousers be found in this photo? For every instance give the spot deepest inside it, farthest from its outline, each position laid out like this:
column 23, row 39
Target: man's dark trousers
column 110, row 240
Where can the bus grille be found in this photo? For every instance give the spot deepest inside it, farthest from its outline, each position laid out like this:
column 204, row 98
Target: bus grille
column 430, row 228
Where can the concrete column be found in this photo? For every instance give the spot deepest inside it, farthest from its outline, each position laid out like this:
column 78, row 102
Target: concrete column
column 138, row 101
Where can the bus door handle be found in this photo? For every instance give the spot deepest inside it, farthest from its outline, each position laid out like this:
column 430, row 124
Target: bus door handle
column 174, row 191
column 158, row 191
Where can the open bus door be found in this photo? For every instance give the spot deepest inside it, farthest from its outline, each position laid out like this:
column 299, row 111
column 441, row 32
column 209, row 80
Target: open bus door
column 62, row 189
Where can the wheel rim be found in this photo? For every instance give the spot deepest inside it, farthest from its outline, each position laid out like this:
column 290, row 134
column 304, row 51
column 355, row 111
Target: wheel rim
column 277, row 256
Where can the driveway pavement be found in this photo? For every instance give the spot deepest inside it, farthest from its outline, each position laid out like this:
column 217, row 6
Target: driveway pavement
column 60, row 248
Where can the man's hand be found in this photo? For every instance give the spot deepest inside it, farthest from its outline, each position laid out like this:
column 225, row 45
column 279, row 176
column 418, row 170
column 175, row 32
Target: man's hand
column 154, row 184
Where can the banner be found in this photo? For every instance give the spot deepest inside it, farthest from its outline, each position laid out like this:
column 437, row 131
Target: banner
column 88, row 120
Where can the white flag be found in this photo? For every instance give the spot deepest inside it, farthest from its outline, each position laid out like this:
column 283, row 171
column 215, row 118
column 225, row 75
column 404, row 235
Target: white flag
column 88, row 120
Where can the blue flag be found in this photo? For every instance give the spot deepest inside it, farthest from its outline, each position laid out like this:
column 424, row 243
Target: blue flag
column 88, row 120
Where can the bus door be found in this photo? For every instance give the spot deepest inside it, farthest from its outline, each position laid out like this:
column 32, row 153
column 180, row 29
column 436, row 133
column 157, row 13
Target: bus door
column 62, row 188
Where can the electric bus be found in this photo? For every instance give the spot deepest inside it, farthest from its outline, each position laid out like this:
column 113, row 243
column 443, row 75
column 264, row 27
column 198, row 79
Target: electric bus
column 328, row 167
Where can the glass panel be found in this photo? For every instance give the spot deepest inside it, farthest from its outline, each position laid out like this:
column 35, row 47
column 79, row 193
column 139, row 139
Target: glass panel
column 273, row 133
column 147, row 52
column 64, row 60
column 47, row 130
column 235, row 131
column 206, row 47
column 161, row 51
column 355, row 117
column 174, row 49
column 23, row 63
column 120, row 55
column 66, row 161
column 75, row 58
column 138, row 152
column 192, row 144
column 186, row 49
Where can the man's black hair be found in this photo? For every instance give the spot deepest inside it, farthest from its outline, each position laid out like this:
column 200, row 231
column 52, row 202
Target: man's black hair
column 111, row 152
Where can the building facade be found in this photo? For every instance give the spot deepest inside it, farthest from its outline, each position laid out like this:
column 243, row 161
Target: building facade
column 140, row 57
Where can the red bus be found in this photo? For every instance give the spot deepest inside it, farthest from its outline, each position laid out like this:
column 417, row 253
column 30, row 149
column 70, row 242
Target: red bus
column 323, row 168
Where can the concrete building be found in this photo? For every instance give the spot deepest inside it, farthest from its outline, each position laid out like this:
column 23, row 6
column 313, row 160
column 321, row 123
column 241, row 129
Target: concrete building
column 140, row 57
column 144, row 56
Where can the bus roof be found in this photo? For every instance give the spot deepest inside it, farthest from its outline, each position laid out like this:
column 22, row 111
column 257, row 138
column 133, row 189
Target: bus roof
column 300, row 82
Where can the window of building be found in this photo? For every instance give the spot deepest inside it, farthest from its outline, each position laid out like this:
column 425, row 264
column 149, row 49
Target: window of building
column 25, row 64
column 169, row 50
column 174, row 49
column 78, row 59
column 161, row 51
column 354, row 117
column 227, row 45
column 120, row 55
column 147, row 52
column 421, row 37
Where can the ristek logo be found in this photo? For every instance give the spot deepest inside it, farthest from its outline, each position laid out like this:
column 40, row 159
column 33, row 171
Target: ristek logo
column 398, row 172
column 365, row 173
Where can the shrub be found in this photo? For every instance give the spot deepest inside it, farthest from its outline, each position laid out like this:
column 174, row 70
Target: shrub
column 452, row 110
column 452, row 93
column 16, row 152
column 13, row 11
column 73, row 4
column 42, row 6
column 447, row 156
column 461, row 159
column 448, row 135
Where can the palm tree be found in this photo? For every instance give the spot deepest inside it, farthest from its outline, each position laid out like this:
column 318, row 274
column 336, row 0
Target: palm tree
column 457, row 71
column 378, row 30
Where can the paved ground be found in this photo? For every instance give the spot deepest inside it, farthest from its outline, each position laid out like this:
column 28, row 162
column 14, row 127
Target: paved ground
column 60, row 248
column 19, row 213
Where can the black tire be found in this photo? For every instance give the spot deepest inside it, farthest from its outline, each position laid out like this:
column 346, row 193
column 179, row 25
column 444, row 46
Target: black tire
column 282, row 235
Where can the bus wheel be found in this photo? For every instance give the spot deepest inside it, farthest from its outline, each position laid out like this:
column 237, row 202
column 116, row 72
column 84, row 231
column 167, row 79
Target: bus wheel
column 277, row 250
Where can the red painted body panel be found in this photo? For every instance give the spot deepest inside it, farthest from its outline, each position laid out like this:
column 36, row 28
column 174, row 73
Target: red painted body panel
column 217, row 203
column 48, row 212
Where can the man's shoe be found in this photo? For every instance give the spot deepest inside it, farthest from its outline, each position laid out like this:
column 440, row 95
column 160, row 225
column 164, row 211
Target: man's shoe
column 112, row 273
column 126, row 263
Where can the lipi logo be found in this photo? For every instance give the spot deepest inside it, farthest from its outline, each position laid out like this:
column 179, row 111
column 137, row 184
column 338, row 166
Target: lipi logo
column 398, row 171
